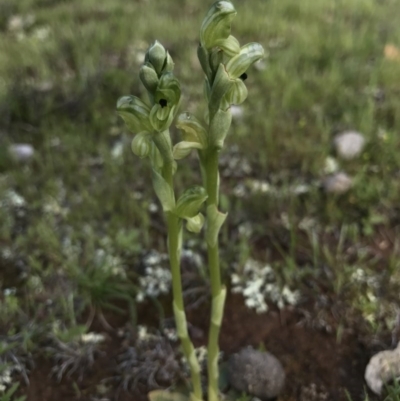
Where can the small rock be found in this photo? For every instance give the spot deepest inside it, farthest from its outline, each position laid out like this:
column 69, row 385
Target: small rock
column 21, row 152
column 349, row 144
column 257, row 373
column 337, row 183
column 383, row 367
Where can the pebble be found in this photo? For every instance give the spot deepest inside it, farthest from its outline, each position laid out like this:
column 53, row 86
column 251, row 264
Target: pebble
column 382, row 368
column 337, row 183
column 349, row 144
column 21, row 152
column 257, row 373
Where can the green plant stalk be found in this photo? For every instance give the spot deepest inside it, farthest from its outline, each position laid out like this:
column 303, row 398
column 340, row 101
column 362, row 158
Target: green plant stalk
column 174, row 226
column 217, row 291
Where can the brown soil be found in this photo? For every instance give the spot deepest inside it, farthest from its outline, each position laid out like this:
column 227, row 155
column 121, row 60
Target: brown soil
column 318, row 367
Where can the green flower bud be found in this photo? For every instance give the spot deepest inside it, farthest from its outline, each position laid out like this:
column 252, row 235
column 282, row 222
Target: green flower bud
column 135, row 113
column 195, row 224
column 189, row 204
column 248, row 55
column 141, row 144
column 217, row 23
column 156, row 55
column 237, row 93
column 182, row 149
column 230, row 46
column 149, row 77
column 193, row 130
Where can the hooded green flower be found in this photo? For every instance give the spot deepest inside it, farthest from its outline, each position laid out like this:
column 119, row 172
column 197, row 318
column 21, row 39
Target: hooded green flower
column 166, row 99
column 135, row 113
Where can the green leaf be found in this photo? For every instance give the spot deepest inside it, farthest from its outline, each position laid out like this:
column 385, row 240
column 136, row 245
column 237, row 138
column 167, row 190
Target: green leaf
column 164, row 395
column 215, row 220
column 164, row 192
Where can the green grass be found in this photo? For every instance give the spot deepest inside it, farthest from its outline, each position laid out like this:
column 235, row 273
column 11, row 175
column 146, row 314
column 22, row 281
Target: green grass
column 325, row 72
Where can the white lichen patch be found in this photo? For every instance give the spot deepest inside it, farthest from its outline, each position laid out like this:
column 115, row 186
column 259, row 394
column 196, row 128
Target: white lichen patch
column 5, row 378
column 383, row 367
column 258, row 283
column 92, row 338
column 157, row 279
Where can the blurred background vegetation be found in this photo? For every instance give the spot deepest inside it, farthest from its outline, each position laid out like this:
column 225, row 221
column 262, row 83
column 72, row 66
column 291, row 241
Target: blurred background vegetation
column 77, row 215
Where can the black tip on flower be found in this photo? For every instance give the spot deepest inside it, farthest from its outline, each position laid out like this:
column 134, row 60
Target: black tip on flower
column 162, row 103
column 243, row 77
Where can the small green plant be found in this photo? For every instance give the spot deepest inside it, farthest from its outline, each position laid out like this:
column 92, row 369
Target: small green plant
column 224, row 63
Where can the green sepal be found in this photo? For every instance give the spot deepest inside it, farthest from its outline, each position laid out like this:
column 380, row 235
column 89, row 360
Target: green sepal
column 217, row 23
column 220, row 87
column 190, row 202
column 193, row 130
column 248, row 55
column 217, row 309
column 149, row 77
column 180, row 321
column 156, row 55
column 230, row 46
column 219, row 128
column 215, row 220
column 135, row 113
column 163, row 191
column 195, row 224
column 183, row 149
column 237, row 93
column 141, row 144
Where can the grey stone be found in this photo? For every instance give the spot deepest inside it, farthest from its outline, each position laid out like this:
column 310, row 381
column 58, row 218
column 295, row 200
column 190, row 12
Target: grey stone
column 337, row 183
column 349, row 144
column 383, row 367
column 259, row 374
